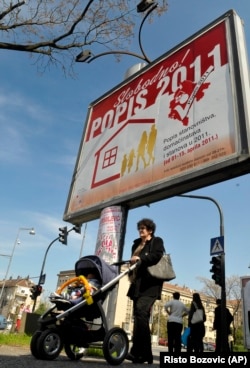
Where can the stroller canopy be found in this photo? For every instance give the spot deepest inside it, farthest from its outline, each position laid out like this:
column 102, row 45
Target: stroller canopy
column 94, row 264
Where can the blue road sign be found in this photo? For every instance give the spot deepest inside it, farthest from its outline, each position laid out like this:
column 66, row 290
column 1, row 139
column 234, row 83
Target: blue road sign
column 217, row 245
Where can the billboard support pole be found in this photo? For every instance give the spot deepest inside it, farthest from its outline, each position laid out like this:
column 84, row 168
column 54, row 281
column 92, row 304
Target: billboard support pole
column 224, row 335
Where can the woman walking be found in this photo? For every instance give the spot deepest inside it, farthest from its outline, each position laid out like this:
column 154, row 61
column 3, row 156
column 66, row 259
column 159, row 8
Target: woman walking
column 196, row 324
column 144, row 290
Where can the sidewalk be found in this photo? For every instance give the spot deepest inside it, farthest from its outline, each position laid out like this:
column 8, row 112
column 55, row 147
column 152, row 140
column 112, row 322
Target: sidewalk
column 20, row 357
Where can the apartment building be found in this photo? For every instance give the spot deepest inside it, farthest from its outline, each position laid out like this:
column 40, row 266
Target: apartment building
column 14, row 293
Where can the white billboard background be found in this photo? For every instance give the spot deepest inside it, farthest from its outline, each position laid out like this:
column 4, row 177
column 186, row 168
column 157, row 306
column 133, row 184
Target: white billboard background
column 176, row 118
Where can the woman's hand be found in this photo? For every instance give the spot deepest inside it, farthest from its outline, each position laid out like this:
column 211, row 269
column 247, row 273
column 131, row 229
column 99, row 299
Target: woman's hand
column 134, row 259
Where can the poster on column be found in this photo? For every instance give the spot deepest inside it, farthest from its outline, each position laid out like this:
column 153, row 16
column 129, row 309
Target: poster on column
column 109, row 234
column 179, row 124
column 245, row 292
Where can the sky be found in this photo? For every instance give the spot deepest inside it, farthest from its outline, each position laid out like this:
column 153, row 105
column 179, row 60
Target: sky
column 42, row 118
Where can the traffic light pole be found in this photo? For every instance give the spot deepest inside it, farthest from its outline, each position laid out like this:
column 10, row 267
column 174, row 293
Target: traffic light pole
column 43, row 264
column 41, row 273
column 224, row 335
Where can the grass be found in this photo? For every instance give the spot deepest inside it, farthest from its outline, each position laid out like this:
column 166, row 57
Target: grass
column 22, row 339
column 15, row 339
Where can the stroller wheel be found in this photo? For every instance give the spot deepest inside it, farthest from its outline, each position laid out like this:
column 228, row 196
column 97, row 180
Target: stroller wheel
column 49, row 344
column 33, row 344
column 74, row 352
column 115, row 346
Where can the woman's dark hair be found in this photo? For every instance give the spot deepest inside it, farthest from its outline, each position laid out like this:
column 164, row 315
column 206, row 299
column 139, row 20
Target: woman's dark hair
column 197, row 300
column 148, row 223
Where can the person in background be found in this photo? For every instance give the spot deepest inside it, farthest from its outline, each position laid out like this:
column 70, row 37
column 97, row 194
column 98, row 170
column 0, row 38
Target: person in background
column 19, row 317
column 144, row 289
column 176, row 311
column 27, row 309
column 197, row 330
column 217, row 326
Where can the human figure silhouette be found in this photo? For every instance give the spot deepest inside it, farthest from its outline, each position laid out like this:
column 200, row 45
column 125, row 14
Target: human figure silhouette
column 124, row 164
column 131, row 157
column 151, row 143
column 141, row 150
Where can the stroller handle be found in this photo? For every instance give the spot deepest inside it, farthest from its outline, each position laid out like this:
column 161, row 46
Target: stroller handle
column 120, row 263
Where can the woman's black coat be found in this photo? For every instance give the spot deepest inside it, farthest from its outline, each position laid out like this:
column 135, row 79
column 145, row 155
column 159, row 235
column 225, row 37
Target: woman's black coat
column 144, row 284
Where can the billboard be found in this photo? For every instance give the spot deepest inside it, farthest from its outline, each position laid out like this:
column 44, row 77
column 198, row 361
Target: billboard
column 179, row 124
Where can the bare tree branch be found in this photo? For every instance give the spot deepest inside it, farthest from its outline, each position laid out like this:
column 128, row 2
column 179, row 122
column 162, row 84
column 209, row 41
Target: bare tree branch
column 58, row 30
column 233, row 290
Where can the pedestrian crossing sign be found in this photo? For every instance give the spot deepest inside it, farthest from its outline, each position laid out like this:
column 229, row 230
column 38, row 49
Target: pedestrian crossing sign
column 217, row 245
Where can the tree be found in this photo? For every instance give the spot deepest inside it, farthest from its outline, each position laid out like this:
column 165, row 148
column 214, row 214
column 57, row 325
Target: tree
column 233, row 290
column 57, row 30
column 210, row 288
column 233, row 294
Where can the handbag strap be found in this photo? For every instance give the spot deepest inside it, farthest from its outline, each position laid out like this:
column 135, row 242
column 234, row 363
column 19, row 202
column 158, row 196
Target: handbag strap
column 151, row 243
column 195, row 305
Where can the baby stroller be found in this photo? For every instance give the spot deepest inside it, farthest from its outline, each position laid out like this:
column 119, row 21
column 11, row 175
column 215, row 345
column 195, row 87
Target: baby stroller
column 75, row 327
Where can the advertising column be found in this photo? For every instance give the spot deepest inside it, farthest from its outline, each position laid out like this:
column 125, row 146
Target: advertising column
column 109, row 247
column 110, row 234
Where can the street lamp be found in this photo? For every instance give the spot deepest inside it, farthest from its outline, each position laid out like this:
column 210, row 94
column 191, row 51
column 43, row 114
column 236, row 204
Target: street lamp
column 31, row 232
column 144, row 5
column 86, row 56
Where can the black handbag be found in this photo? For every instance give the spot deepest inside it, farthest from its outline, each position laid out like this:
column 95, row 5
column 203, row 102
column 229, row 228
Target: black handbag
column 163, row 270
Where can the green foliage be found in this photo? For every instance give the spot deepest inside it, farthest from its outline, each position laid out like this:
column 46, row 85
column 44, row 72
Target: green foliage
column 162, row 328
column 95, row 352
column 239, row 348
column 238, row 336
column 43, row 307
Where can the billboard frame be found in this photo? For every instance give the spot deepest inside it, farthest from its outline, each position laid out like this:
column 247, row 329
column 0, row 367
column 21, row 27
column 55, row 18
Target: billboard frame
column 235, row 165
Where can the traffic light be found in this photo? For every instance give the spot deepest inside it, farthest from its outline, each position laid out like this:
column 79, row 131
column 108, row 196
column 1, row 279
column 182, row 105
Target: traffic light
column 217, row 270
column 63, row 235
column 77, row 228
column 35, row 291
column 39, row 290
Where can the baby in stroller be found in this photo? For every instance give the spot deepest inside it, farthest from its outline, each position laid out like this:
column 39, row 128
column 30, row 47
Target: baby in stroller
column 75, row 292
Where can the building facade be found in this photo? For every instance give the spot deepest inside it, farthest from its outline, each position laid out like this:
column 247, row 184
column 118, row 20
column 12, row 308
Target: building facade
column 14, row 293
column 124, row 307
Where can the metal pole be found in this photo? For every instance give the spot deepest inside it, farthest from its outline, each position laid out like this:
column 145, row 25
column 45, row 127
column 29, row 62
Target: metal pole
column 41, row 273
column 224, row 336
column 43, row 264
column 158, row 327
column 83, row 240
column 32, row 232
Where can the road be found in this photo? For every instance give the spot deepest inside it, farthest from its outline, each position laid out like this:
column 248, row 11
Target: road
column 20, row 357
